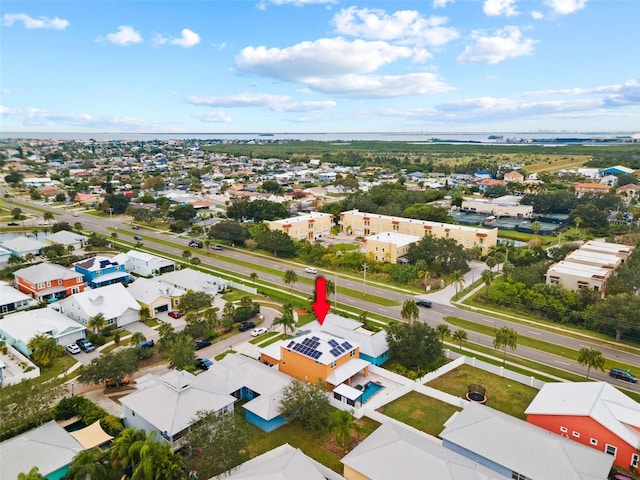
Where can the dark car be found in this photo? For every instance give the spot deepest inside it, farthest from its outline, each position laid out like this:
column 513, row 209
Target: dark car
column 195, row 243
column 203, row 363
column 13, row 224
column 85, row 345
column 424, row 303
column 244, row 326
column 147, row 344
column 622, row 375
column 198, row 344
column 137, row 237
column 174, row 314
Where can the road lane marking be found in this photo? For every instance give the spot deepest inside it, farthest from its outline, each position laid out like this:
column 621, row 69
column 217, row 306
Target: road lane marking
column 534, row 333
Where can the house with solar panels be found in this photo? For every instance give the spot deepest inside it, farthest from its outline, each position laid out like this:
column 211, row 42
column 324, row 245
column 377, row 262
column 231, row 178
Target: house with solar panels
column 100, row 271
column 319, row 356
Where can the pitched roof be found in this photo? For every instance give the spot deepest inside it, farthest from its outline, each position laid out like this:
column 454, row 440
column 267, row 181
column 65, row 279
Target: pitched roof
column 604, row 403
column 10, row 295
column 394, row 450
column 111, row 300
column 524, row 448
column 43, row 272
column 147, row 291
column 26, row 324
column 49, row 447
column 372, row 344
column 192, row 280
column 66, row 237
column 23, row 244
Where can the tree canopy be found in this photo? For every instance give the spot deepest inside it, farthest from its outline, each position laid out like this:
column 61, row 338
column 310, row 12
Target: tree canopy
column 110, row 367
column 415, row 345
column 440, row 254
column 306, row 404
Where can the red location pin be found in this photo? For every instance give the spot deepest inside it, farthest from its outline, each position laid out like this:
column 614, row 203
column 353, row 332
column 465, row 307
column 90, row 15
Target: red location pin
column 321, row 306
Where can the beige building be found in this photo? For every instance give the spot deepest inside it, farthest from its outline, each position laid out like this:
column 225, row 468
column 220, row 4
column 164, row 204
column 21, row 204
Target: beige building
column 622, row 251
column 388, row 246
column 312, row 226
column 500, row 207
column 364, row 224
column 597, row 259
column 574, row 276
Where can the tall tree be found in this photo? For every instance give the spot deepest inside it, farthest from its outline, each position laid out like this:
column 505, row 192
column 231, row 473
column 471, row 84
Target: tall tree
column 286, row 319
column 457, row 278
column 181, row 352
column 413, row 345
column 306, row 404
column 33, row 474
column 97, row 323
column 45, row 349
column 410, row 311
column 289, row 278
column 443, row 332
column 110, row 366
column 505, row 337
column 591, row 358
column 460, row 337
column 342, row 424
column 195, row 301
column 94, row 464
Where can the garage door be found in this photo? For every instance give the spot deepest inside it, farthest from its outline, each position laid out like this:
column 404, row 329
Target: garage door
column 162, row 308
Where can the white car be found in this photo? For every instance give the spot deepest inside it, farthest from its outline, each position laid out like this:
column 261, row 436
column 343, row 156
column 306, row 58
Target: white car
column 311, row 270
column 256, row 332
column 72, row 348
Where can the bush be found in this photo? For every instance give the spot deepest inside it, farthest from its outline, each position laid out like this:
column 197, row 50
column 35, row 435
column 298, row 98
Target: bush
column 97, row 340
column 112, row 425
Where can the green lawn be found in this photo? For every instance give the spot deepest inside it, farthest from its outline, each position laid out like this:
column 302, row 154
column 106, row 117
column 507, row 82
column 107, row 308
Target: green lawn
column 262, row 338
column 421, row 412
column 503, row 394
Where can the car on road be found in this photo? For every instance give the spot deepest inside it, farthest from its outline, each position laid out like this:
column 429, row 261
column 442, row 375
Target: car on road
column 217, row 247
column 203, row 363
column 85, row 345
column 622, row 375
column 72, row 348
column 76, row 214
column 311, row 270
column 147, row 344
column 256, row 332
column 195, row 243
column 174, row 314
column 424, row 303
column 135, row 227
column 244, row 326
column 198, row 344
column 13, row 224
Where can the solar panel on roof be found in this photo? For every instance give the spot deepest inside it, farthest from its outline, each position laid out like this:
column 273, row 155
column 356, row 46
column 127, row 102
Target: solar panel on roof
column 347, row 345
column 317, row 355
column 291, row 343
column 333, row 343
column 340, row 349
column 315, row 339
column 297, row 347
column 334, row 352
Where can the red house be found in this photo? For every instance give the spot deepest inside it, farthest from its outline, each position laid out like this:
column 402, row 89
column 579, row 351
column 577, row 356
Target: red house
column 594, row 414
column 47, row 280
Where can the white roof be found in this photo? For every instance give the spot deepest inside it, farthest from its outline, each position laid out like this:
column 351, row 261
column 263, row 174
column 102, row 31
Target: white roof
column 281, row 463
column 170, row 402
column 347, row 391
column 599, row 400
column 394, row 238
column 372, row 344
column 65, row 237
column 49, row 447
column 321, row 346
column 23, row 244
column 147, row 291
column 111, row 300
column 192, row 280
column 302, row 218
column 148, row 258
column 397, row 451
column 579, row 270
column 522, row 447
column 607, row 247
column 347, row 370
column 9, row 295
column 45, row 272
column 26, row 324
column 594, row 258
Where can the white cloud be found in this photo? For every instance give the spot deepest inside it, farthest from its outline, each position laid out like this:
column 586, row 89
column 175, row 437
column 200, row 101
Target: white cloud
column 407, row 26
column 124, row 36
column 5, row 91
column 441, row 3
column 565, row 7
column 40, row 118
column 537, row 15
column 188, row 39
column 298, row 3
column 8, row 19
column 502, row 45
column 276, row 103
column 496, row 8
column 213, row 117
column 631, row 85
column 325, row 57
column 380, row 86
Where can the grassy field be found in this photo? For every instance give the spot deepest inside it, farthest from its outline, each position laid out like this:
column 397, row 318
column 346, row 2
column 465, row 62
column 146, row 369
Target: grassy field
column 503, row 394
column 558, row 162
column 421, row 412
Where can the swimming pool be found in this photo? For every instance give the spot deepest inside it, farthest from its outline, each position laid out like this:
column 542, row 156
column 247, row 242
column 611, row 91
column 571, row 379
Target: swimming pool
column 370, row 388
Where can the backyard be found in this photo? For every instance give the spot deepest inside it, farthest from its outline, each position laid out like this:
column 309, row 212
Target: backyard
column 421, row 412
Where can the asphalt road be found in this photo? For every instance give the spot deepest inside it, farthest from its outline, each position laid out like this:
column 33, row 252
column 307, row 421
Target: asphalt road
column 441, row 306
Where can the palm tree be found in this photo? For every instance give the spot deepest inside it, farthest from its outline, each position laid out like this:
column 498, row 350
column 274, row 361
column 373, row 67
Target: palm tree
column 459, row 336
column 125, row 448
column 491, row 262
column 458, row 279
column 97, row 323
column 34, row 474
column 78, row 227
column 195, row 261
column 191, row 318
column 29, row 257
column 114, row 236
column 442, row 332
column 410, row 311
column 487, row 277
column 47, row 216
column 505, row 337
column 186, row 254
column 145, row 314
column 287, row 319
column 45, row 349
column 70, row 249
column 342, row 424
column 577, row 222
column 137, row 338
column 290, row 277
column 591, row 357
column 91, row 465
column 253, row 276
column 207, row 244
column 536, row 227
column 165, row 330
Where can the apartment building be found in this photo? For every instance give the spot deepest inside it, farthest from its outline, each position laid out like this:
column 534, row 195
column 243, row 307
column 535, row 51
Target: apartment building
column 388, row 246
column 574, row 276
column 508, row 206
column 365, row 224
column 312, row 226
column 584, row 188
column 622, row 251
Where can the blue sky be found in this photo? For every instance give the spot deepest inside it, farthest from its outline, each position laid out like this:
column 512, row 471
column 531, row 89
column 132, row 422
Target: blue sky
column 320, row 66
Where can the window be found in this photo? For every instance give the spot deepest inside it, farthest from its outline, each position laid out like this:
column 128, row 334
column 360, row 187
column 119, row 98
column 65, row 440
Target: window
column 563, row 429
column 575, row 434
column 48, row 283
column 518, row 476
column 59, row 281
column 593, row 441
column 635, row 460
column 610, row 449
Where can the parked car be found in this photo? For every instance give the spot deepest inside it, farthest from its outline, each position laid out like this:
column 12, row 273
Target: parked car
column 424, row 303
column 256, row 332
column 622, row 375
column 195, row 243
column 147, row 344
column 85, row 345
column 72, row 348
column 244, row 326
column 203, row 363
column 13, row 224
column 311, row 270
column 137, row 237
column 136, row 227
column 174, row 314
column 198, row 344
column 217, row 247
column 119, row 383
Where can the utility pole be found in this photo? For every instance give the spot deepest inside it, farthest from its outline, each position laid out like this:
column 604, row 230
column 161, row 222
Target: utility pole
column 335, row 292
column 111, row 217
column 364, row 278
